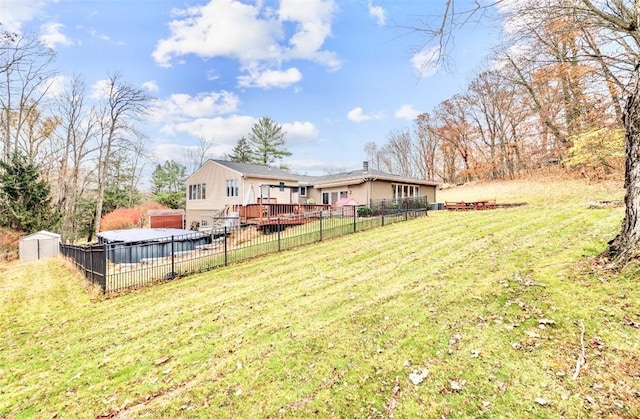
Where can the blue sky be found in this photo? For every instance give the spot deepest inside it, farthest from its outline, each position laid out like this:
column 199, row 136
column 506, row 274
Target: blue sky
column 336, row 74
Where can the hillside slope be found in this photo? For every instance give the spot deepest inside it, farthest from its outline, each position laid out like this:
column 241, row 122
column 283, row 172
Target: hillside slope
column 497, row 313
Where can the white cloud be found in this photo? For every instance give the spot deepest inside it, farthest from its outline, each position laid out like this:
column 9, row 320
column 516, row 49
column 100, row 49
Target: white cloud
column 181, row 106
column 151, row 86
column 99, row 89
column 222, row 131
column 378, row 13
column 254, row 35
column 300, row 132
column 313, row 19
column 426, row 61
column 226, row 28
column 358, row 115
column 16, row 13
column 407, row 112
column 51, row 35
column 98, row 35
column 57, row 85
column 271, row 78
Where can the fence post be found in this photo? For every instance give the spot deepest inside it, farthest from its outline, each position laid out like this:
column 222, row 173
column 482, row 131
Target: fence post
column 406, row 210
column 106, row 267
column 173, row 257
column 278, row 227
column 355, row 214
column 321, row 225
column 226, row 260
column 382, row 210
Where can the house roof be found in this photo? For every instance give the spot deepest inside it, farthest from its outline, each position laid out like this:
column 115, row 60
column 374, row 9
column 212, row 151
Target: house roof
column 360, row 176
column 256, row 170
column 160, row 212
column 353, row 177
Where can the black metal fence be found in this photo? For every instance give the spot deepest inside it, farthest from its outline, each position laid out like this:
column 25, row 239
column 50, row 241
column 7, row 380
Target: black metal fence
column 126, row 265
column 90, row 260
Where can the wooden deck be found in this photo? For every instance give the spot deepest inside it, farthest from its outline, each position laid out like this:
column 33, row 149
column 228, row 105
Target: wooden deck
column 283, row 214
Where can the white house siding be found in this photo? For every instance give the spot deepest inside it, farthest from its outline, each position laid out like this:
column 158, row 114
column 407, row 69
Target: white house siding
column 214, row 176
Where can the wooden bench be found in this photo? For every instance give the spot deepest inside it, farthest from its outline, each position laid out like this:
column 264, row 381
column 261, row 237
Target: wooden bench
column 455, row 206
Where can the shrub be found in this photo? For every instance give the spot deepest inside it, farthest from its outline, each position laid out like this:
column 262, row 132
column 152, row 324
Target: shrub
column 365, row 212
column 121, row 218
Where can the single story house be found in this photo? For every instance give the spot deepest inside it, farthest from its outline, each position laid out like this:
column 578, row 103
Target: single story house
column 218, row 185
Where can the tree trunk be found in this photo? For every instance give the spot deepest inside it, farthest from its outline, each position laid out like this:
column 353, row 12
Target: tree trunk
column 626, row 245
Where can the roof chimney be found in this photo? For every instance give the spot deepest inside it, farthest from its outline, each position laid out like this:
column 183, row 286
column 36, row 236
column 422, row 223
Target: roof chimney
column 365, row 166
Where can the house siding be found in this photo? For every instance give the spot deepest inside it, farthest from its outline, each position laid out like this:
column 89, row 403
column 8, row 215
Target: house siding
column 215, row 173
column 214, row 176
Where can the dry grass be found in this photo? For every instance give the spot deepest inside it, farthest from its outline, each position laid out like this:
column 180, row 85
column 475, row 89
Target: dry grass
column 486, row 306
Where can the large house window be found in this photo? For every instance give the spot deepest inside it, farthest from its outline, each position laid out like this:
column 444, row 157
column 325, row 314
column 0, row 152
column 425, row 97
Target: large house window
column 198, row 191
column 330, row 198
column 404, row 191
column 232, row 187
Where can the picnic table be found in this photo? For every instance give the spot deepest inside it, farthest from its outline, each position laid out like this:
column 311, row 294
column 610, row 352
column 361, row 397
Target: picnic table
column 481, row 204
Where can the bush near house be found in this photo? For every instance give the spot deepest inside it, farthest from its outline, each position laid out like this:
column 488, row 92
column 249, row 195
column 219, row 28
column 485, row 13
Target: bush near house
column 123, row 218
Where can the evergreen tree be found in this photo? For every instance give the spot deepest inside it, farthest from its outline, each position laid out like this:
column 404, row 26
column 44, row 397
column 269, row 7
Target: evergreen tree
column 25, row 198
column 242, row 152
column 169, row 184
column 267, row 140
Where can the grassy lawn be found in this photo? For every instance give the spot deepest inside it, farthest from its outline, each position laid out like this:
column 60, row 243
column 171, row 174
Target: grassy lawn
column 458, row 314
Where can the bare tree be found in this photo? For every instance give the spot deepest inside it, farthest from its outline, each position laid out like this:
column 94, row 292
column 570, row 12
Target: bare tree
column 395, row 155
column 26, row 76
column 617, row 23
column 123, row 106
column 194, row 157
column 373, row 154
column 426, row 147
column 76, row 138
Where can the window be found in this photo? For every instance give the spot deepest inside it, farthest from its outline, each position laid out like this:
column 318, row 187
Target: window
column 303, row 191
column 330, row 198
column 197, row 191
column 404, row 191
column 232, row 187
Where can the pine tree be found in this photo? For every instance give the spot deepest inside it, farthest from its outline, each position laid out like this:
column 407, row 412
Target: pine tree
column 242, row 152
column 267, row 140
column 25, row 198
column 169, row 184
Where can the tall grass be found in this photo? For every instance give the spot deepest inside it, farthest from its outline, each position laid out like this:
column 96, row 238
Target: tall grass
column 492, row 309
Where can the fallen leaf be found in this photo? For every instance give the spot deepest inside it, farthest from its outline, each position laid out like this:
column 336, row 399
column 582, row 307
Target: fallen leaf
column 417, row 377
column 541, row 401
column 532, row 333
column 457, row 385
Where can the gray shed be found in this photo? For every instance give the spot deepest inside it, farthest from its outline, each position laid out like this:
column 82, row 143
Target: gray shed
column 40, row 245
